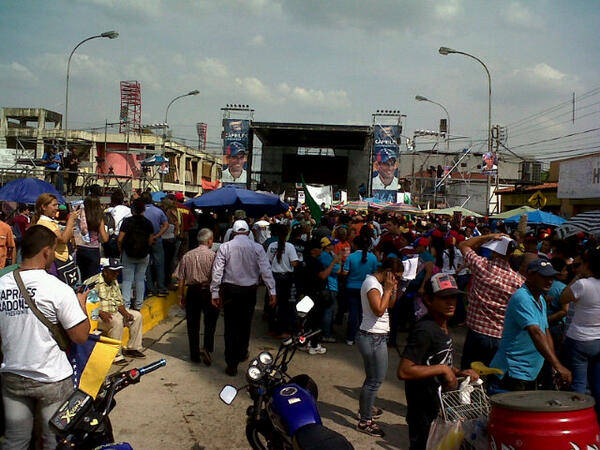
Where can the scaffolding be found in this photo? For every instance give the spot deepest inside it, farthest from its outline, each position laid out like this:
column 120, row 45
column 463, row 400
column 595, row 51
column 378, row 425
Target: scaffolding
column 130, row 117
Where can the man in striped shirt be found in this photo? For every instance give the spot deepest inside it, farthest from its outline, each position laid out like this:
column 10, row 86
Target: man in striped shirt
column 194, row 270
column 492, row 284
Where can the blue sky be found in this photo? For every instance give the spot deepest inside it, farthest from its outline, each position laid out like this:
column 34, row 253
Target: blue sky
column 333, row 61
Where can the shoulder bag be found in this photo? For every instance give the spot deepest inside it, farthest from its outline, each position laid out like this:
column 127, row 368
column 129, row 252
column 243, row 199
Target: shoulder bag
column 56, row 330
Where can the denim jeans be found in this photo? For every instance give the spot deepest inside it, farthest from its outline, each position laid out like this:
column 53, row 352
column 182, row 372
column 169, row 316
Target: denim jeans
column 328, row 313
column 134, row 271
column 155, row 274
column 373, row 348
column 583, row 359
column 22, row 396
column 354, row 313
column 478, row 347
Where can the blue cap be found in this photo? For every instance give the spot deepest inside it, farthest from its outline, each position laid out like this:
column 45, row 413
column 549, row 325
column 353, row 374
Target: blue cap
column 543, row 267
column 234, row 148
column 385, row 154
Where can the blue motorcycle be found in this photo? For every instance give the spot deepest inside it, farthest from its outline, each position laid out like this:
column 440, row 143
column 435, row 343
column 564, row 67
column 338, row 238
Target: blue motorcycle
column 284, row 412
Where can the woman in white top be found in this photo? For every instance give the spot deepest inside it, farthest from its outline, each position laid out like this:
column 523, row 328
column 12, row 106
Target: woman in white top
column 283, row 258
column 377, row 294
column 583, row 334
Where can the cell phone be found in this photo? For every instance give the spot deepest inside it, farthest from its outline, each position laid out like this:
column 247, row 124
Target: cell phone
column 85, row 287
column 77, row 204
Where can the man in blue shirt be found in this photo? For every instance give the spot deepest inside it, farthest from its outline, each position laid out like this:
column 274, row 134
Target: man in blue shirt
column 329, row 297
column 53, row 168
column 156, row 280
column 526, row 339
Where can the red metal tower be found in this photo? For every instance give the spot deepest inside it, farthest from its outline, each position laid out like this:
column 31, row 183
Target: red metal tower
column 130, row 117
column 201, row 128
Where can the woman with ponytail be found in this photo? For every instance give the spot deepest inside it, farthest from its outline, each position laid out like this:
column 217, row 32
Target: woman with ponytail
column 283, row 258
column 357, row 266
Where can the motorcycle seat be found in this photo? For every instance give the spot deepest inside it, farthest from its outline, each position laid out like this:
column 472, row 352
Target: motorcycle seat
column 316, row 437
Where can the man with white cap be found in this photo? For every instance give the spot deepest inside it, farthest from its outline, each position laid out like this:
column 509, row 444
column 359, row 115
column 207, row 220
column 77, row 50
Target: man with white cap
column 113, row 316
column 492, row 284
column 237, row 269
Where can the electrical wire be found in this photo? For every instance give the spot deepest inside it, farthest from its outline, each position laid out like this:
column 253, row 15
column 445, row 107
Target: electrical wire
column 530, row 144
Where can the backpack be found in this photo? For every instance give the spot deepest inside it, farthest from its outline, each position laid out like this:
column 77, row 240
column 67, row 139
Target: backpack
column 135, row 243
column 111, row 247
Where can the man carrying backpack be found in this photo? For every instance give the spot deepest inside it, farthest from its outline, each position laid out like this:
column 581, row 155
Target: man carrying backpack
column 136, row 237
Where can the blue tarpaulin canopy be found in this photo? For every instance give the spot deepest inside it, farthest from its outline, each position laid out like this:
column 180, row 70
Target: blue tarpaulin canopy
column 27, row 190
column 254, row 203
column 538, row 217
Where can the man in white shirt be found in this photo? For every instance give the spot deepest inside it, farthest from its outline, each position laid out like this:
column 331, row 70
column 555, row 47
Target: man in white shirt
column 36, row 374
column 238, row 266
column 118, row 210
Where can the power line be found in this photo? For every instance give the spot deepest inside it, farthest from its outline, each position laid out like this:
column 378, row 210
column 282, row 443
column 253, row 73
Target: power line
column 538, row 128
column 530, row 144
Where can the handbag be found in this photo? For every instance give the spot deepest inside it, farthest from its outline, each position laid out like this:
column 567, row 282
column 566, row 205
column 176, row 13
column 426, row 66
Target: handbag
column 56, row 330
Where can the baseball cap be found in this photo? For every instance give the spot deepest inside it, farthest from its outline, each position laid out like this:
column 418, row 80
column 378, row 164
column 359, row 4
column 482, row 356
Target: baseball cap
column 444, row 285
column 179, row 196
column 111, row 263
column 423, row 241
column 240, row 226
column 325, row 241
column 385, row 154
column 543, row 267
column 234, row 148
column 530, row 236
column 437, row 233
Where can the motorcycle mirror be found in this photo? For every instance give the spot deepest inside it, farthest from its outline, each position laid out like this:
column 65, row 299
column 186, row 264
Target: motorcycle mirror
column 228, row 394
column 304, row 305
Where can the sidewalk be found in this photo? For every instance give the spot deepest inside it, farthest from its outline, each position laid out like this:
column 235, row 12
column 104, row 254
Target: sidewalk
column 178, row 407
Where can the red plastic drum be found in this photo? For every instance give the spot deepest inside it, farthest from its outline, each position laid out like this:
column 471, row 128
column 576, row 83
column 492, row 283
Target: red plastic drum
column 543, row 420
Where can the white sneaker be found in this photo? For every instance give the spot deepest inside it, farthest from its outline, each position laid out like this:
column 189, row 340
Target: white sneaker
column 318, row 350
column 348, row 342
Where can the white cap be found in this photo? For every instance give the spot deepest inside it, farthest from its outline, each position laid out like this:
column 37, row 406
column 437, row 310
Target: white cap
column 240, row 226
column 499, row 245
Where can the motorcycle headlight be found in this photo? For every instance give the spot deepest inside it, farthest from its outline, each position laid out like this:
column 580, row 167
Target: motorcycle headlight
column 265, row 358
column 254, row 373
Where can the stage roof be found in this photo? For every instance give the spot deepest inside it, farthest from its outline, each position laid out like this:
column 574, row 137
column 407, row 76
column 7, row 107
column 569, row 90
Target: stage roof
column 350, row 137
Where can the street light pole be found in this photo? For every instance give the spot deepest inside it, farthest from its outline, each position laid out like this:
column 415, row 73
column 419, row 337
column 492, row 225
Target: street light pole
column 166, row 123
column 447, row 51
column 420, row 98
column 106, row 34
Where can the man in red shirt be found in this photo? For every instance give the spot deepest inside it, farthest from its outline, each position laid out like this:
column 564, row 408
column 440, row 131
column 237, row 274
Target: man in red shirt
column 186, row 219
column 492, row 284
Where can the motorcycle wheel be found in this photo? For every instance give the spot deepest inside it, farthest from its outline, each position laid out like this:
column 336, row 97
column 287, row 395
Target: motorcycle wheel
column 259, row 437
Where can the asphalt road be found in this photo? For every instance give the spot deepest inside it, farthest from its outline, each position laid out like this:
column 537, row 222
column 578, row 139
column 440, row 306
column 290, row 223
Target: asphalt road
column 178, row 407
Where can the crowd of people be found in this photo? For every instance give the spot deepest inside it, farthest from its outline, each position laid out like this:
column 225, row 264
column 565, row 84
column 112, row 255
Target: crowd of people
column 528, row 300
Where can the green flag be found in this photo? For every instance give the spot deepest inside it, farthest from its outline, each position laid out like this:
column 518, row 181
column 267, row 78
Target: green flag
column 315, row 210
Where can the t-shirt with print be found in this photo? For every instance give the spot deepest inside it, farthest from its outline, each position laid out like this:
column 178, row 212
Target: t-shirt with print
column 28, row 347
column 287, row 258
column 426, row 345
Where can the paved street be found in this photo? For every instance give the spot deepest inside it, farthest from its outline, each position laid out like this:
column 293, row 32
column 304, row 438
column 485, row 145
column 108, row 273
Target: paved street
column 177, row 407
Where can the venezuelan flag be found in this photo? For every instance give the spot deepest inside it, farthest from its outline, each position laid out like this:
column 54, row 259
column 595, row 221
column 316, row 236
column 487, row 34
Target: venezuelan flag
column 92, row 361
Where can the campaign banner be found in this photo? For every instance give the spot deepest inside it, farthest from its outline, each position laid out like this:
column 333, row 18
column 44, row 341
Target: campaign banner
column 386, row 156
column 489, row 164
column 235, row 151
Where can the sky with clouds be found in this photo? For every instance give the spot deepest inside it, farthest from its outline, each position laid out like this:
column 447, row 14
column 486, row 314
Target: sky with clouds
column 313, row 61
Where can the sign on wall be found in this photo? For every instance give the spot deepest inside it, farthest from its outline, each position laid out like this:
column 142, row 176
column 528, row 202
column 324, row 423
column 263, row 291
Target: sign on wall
column 579, row 178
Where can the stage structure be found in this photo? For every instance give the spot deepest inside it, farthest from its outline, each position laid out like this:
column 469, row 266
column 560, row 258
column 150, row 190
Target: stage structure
column 130, row 117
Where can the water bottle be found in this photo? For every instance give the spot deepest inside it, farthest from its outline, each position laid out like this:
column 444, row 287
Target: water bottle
column 93, row 298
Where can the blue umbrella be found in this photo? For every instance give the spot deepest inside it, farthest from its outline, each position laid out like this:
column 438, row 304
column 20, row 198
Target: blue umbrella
column 158, row 196
column 538, row 217
column 27, row 190
column 254, row 203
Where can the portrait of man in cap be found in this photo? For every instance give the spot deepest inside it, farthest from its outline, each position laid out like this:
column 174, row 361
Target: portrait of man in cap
column 235, row 158
column 385, row 165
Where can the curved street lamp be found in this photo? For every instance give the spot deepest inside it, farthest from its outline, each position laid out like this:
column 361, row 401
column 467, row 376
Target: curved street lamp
column 447, row 51
column 420, row 98
column 106, row 34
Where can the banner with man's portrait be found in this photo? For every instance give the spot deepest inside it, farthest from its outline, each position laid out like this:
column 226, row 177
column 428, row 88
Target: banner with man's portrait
column 386, row 157
column 489, row 164
column 235, row 151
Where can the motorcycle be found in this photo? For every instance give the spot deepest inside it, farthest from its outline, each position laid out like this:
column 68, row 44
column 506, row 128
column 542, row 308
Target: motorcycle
column 82, row 422
column 284, row 412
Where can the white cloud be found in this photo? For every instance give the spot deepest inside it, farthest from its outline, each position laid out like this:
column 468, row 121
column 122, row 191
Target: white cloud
column 151, row 8
column 257, row 41
column 519, row 15
column 18, row 72
column 544, row 71
column 212, row 67
column 448, row 9
column 316, row 97
column 255, row 88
